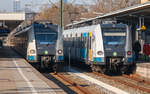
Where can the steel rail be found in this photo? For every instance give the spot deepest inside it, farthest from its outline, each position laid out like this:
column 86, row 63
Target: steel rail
column 123, row 82
column 137, row 79
column 82, row 89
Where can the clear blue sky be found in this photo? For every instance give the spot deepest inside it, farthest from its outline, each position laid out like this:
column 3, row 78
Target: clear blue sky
column 7, row 5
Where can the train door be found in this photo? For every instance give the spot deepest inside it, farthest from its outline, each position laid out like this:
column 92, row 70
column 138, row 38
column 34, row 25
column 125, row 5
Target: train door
column 81, row 46
column 88, row 47
column 73, row 48
column 85, row 44
column 76, row 47
column 71, row 45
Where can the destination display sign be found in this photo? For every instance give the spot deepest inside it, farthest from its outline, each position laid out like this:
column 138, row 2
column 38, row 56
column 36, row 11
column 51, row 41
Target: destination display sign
column 114, row 29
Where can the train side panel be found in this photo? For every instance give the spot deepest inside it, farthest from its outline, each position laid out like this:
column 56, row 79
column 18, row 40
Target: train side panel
column 128, row 47
column 82, row 44
column 31, row 48
column 98, row 48
column 59, row 48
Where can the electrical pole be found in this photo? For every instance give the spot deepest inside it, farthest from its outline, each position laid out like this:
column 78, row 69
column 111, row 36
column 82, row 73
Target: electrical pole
column 61, row 15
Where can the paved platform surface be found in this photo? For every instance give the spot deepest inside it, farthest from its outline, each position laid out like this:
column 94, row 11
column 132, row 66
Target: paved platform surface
column 19, row 77
column 143, row 69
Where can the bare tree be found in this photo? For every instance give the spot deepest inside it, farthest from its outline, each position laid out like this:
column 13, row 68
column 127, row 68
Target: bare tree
column 71, row 13
column 75, row 12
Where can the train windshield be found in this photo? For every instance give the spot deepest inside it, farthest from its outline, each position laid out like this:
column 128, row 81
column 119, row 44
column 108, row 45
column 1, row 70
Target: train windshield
column 46, row 38
column 114, row 40
column 114, row 36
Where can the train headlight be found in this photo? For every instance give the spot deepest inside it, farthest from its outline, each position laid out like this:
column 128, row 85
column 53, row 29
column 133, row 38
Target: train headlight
column 59, row 51
column 46, row 52
column 129, row 53
column 100, row 53
column 32, row 51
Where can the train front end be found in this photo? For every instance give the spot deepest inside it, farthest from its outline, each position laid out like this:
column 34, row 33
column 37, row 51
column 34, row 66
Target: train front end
column 46, row 36
column 117, row 47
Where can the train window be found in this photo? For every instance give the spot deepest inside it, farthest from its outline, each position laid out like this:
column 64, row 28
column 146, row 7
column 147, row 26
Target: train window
column 81, row 40
column 67, row 36
column 88, row 41
column 73, row 39
column 71, row 35
column 46, row 37
column 117, row 40
column 85, row 39
column 75, row 43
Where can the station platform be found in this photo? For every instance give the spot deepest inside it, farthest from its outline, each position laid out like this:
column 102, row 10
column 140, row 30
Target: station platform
column 143, row 69
column 19, row 77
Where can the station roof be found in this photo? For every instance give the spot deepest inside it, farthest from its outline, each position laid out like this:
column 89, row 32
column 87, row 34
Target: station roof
column 12, row 16
column 12, row 20
column 140, row 10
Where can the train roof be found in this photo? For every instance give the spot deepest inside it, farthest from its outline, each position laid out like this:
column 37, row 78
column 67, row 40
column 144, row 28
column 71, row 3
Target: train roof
column 91, row 28
column 37, row 24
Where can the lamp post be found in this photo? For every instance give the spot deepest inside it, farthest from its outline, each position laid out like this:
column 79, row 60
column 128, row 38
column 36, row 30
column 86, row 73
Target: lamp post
column 61, row 15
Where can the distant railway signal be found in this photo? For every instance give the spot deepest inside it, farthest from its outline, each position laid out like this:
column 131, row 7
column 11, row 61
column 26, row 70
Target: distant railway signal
column 143, row 27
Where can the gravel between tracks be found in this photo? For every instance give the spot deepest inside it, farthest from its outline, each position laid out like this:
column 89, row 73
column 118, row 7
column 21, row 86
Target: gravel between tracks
column 107, row 81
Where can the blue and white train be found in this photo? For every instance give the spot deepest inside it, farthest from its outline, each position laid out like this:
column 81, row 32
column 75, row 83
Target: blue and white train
column 40, row 43
column 106, row 47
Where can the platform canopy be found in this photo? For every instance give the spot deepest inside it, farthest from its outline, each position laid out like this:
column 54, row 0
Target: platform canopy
column 10, row 21
column 130, row 14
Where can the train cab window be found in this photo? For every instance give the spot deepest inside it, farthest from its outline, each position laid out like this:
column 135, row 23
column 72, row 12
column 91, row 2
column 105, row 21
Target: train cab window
column 49, row 37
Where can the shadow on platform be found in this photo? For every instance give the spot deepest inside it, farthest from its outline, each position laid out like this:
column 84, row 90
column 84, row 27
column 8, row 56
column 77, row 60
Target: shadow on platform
column 8, row 53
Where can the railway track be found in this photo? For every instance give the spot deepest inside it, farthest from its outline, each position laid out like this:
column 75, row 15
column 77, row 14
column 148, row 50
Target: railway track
column 139, row 80
column 127, row 83
column 78, row 86
column 67, row 84
column 72, row 83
